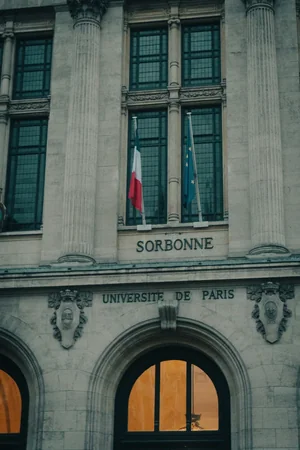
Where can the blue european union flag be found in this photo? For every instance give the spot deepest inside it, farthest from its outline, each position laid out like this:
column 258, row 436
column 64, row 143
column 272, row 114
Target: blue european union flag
column 188, row 173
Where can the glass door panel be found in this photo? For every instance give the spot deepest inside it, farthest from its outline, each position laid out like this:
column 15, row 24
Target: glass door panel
column 172, row 396
column 205, row 408
column 141, row 402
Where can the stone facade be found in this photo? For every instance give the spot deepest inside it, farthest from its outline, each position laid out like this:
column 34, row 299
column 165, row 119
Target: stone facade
column 111, row 292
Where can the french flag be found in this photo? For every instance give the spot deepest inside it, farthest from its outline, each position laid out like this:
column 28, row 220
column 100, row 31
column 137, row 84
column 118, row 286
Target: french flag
column 135, row 194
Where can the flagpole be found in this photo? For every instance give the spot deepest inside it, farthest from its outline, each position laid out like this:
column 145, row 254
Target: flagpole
column 189, row 114
column 143, row 210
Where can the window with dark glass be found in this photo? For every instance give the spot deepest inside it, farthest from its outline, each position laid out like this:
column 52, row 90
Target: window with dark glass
column 173, row 398
column 149, row 59
column 13, row 406
column 207, row 132
column 201, row 63
column 25, row 174
column 33, row 68
column 152, row 130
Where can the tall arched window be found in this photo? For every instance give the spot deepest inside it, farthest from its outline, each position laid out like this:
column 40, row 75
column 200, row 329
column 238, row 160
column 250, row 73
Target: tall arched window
column 173, row 398
column 13, row 406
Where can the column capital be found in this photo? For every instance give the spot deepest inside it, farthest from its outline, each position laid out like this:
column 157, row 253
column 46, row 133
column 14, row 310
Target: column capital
column 174, row 22
column 259, row 3
column 8, row 35
column 87, row 9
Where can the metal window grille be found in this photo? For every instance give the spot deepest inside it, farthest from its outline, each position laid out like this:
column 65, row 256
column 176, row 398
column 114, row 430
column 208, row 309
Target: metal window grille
column 25, row 174
column 207, row 131
column 152, row 129
column 33, row 68
column 201, row 63
column 149, row 59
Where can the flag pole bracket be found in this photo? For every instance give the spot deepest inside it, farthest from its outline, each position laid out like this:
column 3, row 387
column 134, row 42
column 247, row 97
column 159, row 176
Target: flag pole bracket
column 200, row 224
column 144, row 227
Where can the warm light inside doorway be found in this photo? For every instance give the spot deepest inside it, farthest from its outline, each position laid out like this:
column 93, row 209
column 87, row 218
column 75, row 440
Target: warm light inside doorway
column 10, row 405
column 172, row 399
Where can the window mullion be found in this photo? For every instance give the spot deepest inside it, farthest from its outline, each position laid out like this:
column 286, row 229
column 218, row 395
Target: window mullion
column 188, row 397
column 157, row 397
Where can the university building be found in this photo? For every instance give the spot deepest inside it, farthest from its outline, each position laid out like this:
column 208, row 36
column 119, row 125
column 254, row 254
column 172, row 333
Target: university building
column 180, row 332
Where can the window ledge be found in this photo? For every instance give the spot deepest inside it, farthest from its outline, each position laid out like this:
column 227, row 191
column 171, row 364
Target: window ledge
column 21, row 233
column 174, row 225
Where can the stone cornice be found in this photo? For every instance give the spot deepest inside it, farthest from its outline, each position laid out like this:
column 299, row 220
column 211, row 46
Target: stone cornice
column 165, row 97
column 87, row 9
column 238, row 270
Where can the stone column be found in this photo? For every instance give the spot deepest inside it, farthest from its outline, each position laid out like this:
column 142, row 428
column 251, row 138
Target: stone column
column 174, row 37
column 8, row 37
column 82, row 133
column 174, row 154
column 265, row 159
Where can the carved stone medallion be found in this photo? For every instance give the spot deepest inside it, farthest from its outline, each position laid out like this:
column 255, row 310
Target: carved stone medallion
column 270, row 310
column 68, row 318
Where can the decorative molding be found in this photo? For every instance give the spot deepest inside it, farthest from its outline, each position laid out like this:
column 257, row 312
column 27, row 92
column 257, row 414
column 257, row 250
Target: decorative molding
column 121, row 220
column 29, row 107
column 173, row 217
column 250, row 4
column 68, row 318
column 4, row 102
column 145, row 97
column 168, row 311
column 27, row 24
column 207, row 93
column 173, row 96
column 3, row 118
column 144, row 12
column 270, row 310
column 174, row 105
column 8, row 34
column 174, row 22
column 87, row 9
column 191, row 8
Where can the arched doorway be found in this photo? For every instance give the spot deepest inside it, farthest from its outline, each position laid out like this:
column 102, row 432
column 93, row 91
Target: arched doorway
column 14, row 403
column 172, row 398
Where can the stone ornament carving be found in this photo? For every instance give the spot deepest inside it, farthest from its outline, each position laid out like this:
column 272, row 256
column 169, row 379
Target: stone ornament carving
column 68, row 318
column 147, row 96
column 259, row 3
column 174, row 22
column 200, row 93
column 270, row 310
column 87, row 9
column 7, row 34
column 168, row 311
column 20, row 107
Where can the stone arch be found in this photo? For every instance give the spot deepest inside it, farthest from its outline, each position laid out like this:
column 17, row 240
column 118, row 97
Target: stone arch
column 15, row 349
column 146, row 336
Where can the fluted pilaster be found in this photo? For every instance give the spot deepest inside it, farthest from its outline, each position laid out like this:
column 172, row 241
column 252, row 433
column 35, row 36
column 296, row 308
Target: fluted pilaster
column 174, row 111
column 266, row 180
column 82, row 133
column 174, row 36
column 8, row 37
column 173, row 162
